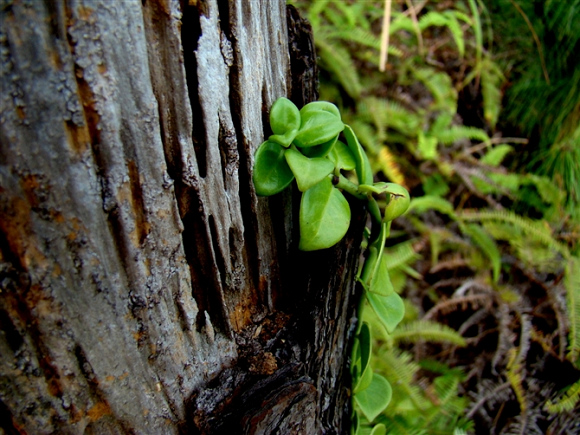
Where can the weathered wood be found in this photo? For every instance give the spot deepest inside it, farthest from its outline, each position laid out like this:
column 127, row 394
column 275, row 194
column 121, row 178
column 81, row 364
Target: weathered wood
column 144, row 288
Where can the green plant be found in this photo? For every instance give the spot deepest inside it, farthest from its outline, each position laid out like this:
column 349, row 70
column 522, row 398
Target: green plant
column 305, row 146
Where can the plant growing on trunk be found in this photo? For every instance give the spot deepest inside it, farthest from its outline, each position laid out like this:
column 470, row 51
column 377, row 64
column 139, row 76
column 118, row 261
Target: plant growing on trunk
column 306, row 146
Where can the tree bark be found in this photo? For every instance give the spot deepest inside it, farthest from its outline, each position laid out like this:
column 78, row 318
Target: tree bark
column 144, row 287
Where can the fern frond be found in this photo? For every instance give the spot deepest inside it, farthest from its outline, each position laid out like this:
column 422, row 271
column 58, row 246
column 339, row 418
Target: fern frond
column 440, row 86
column 427, row 146
column 458, row 132
column 387, row 163
column 482, row 239
column 426, row 330
column 514, row 376
column 400, row 370
column 456, row 31
column 496, row 155
column 567, row 402
column 572, row 285
column 400, row 254
column 401, row 22
column 337, row 60
column 492, row 80
column 431, row 202
column 364, row 38
column 384, row 113
column 446, row 388
column 535, row 229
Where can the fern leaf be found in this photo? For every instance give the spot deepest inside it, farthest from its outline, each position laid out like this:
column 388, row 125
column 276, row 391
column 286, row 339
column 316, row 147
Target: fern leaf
column 427, row 146
column 533, row 228
column 440, row 87
column 432, row 18
column 572, row 284
column 567, row 402
column 401, row 22
column 496, row 155
column 458, row 132
column 337, row 60
column 387, row 163
column 431, row 202
column 514, row 376
column 487, row 245
column 426, row 330
column 400, row 254
column 455, row 29
column 492, row 80
column 384, row 113
column 400, row 370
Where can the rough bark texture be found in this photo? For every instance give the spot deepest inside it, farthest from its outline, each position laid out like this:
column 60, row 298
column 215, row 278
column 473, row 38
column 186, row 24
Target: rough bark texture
column 144, row 288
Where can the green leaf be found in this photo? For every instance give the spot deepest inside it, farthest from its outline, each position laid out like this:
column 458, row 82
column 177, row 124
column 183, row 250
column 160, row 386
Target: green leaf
column 496, row 155
column 271, row 172
column 389, row 309
column 365, row 351
column 284, row 139
column 379, row 429
column 363, row 166
column 373, row 400
column 427, row 146
column 324, row 217
column 308, row 172
column 316, row 106
column 341, row 156
column 431, row 202
column 381, row 281
column 320, row 150
column 284, row 121
column 317, row 127
column 399, row 198
column 284, row 116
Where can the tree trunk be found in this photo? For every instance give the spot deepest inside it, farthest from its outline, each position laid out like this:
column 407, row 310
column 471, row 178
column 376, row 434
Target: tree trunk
column 144, row 287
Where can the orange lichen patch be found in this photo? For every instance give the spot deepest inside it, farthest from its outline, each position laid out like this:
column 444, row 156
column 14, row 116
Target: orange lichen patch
column 241, row 315
column 85, row 12
column 56, row 270
column 263, row 364
column 111, row 378
column 76, row 414
column 99, row 410
column 147, row 264
column 163, row 214
column 30, row 185
column 142, row 227
column 78, row 137
column 102, row 68
column 43, row 306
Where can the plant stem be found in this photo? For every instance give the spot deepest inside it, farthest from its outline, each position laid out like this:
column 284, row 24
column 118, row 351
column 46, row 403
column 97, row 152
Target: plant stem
column 350, row 187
